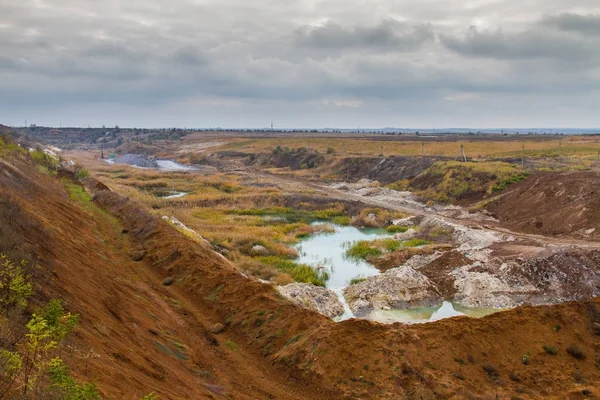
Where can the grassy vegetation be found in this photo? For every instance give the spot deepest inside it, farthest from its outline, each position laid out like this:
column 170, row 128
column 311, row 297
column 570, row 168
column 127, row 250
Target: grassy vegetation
column 8, row 147
column 298, row 272
column 581, row 147
column 356, row 281
column 294, row 216
column 236, row 221
column 367, row 249
column 447, row 181
column 397, row 229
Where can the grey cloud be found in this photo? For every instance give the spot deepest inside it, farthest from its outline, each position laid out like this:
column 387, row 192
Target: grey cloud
column 528, row 44
column 588, row 24
column 390, row 34
column 273, row 57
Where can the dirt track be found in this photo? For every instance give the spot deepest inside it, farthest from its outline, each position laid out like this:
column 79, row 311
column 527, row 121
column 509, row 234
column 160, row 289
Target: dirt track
column 294, row 184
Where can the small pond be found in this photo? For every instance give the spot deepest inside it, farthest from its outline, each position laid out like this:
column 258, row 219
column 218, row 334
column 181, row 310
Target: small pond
column 327, row 250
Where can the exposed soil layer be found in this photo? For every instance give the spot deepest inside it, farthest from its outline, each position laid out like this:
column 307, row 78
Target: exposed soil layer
column 439, row 270
column 300, row 158
column 552, row 204
column 385, row 170
column 137, row 335
column 397, row 258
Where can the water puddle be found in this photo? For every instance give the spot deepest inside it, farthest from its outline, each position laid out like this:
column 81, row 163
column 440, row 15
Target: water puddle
column 327, row 251
column 171, row 195
column 429, row 314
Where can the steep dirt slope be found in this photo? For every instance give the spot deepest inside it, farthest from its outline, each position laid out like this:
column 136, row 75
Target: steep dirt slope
column 137, row 335
column 552, row 204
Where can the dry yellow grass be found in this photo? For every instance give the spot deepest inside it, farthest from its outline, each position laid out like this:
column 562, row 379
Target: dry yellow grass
column 583, row 147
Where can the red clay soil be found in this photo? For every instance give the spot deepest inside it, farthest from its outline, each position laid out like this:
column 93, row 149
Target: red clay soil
column 137, row 335
column 552, row 204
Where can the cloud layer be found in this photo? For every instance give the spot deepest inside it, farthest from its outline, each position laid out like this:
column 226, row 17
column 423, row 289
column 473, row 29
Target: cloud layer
column 311, row 63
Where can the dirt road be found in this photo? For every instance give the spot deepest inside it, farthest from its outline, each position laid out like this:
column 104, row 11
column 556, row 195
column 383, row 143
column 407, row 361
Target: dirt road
column 298, row 185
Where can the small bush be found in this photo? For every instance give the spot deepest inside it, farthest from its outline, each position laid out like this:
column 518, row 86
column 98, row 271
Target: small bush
column 61, row 379
column 491, row 371
column 231, row 346
column 576, row 352
column 82, row 173
column 15, row 285
column 550, row 350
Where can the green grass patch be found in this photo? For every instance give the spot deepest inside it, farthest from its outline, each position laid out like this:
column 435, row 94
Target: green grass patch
column 365, row 249
column 8, row 147
column 362, row 250
column 78, row 194
column 356, row 281
column 231, row 345
column 396, row 229
column 298, row 272
column 415, row 243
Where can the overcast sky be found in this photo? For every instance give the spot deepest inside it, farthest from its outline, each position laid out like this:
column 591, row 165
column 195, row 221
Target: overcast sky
column 302, row 63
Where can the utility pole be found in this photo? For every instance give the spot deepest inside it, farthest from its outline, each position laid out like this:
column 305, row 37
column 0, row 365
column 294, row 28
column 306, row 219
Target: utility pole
column 461, row 152
column 102, row 151
column 422, row 150
column 523, row 157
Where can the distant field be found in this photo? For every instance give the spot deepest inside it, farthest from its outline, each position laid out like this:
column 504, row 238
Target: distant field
column 580, row 147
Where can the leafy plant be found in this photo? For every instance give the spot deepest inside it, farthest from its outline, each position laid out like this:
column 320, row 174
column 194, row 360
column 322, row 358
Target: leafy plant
column 70, row 389
column 15, row 285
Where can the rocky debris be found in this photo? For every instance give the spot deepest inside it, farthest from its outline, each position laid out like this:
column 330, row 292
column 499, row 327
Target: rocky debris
column 135, row 160
column 141, row 161
column 556, row 275
column 137, row 255
column 259, row 250
column 458, row 212
column 470, row 239
column 397, row 288
column 168, row 281
column 217, row 328
column 409, row 234
column 316, row 298
column 409, row 221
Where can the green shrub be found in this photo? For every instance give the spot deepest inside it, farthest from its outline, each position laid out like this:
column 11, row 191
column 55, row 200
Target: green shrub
column 45, row 160
column 15, row 285
column 82, row 173
column 70, row 389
